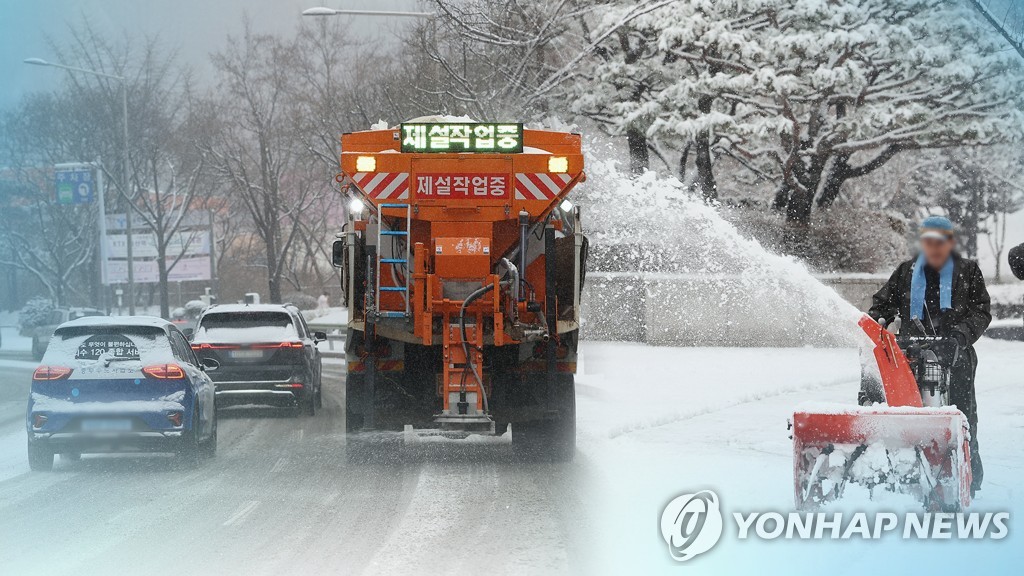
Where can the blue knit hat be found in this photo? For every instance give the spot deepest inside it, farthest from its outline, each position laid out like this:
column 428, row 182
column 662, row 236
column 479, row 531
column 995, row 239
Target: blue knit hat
column 938, row 227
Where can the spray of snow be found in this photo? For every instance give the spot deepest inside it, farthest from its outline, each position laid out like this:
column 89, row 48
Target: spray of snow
column 663, row 230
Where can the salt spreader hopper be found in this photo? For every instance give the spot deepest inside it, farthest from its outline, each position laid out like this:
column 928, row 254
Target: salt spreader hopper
column 462, row 264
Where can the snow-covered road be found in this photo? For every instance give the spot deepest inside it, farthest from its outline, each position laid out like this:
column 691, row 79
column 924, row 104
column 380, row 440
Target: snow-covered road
column 653, row 423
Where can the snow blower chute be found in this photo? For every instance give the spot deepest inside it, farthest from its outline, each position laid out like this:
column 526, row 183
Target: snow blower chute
column 901, row 447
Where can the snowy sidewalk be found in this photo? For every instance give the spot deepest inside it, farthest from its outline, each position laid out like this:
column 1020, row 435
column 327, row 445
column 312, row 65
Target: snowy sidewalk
column 658, row 422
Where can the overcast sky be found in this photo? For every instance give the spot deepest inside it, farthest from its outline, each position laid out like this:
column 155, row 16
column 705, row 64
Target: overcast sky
column 195, row 27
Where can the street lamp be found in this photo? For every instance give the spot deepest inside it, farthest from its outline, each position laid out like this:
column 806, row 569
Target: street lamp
column 321, row 11
column 124, row 167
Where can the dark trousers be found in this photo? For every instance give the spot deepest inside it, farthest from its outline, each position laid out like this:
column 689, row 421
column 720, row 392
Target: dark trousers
column 964, row 397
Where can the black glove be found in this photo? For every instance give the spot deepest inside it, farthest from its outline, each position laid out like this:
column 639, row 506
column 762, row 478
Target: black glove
column 961, row 339
column 951, row 348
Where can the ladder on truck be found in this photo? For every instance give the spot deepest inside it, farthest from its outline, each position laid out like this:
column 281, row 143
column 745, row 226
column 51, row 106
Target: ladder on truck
column 394, row 236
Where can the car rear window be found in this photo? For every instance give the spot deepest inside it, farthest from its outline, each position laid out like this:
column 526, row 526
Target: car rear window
column 246, row 327
column 128, row 343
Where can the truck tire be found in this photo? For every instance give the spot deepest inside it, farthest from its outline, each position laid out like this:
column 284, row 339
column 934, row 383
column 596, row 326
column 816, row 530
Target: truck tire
column 550, row 439
column 353, row 402
column 363, row 446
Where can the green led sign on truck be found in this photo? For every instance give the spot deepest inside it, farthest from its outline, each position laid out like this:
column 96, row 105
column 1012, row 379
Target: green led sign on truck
column 471, row 137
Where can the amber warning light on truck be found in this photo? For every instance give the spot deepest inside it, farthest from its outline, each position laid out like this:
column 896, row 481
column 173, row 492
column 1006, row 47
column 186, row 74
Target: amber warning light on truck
column 472, row 137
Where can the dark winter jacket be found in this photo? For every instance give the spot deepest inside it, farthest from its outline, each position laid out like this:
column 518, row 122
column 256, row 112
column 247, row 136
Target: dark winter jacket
column 1016, row 259
column 970, row 314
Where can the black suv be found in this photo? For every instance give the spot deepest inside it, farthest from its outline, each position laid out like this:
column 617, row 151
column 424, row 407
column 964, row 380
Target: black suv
column 267, row 355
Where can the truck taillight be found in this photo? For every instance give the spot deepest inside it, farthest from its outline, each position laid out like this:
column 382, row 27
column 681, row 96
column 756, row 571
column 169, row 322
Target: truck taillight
column 164, row 372
column 277, row 345
column 51, row 373
column 39, row 420
column 382, row 349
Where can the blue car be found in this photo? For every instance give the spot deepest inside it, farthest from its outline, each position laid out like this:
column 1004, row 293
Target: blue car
column 128, row 384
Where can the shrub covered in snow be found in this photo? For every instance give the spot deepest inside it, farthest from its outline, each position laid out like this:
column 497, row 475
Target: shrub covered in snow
column 302, row 300
column 194, row 307
column 36, row 312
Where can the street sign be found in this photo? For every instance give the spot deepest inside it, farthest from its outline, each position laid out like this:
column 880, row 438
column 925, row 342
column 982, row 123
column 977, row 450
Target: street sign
column 187, row 269
column 75, row 186
column 189, row 250
column 144, row 245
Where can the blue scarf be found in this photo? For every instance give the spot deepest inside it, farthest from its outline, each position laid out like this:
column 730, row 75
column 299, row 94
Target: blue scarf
column 918, row 284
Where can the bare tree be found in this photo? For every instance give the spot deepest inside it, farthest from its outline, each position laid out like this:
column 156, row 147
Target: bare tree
column 1007, row 198
column 164, row 206
column 495, row 57
column 163, row 167
column 259, row 148
column 51, row 242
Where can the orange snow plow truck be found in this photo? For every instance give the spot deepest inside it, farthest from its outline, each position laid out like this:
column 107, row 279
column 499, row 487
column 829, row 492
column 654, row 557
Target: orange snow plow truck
column 462, row 262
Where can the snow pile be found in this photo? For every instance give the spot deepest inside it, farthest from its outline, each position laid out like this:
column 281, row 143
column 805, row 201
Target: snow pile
column 11, row 341
column 333, row 319
column 696, row 271
column 1006, row 293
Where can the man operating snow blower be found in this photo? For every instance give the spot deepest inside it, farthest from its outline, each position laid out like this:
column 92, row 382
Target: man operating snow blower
column 941, row 299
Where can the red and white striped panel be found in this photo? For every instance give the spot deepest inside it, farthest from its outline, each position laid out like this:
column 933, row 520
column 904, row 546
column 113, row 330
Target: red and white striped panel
column 540, row 185
column 383, row 185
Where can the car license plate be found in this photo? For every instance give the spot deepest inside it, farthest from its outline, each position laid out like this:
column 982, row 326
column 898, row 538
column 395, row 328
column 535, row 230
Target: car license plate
column 106, row 425
column 246, row 354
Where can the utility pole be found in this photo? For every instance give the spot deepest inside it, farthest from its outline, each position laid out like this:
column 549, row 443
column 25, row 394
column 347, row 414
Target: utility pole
column 102, row 226
column 129, row 197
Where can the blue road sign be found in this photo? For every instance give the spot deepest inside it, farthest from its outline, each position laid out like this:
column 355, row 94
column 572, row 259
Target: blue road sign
column 75, row 186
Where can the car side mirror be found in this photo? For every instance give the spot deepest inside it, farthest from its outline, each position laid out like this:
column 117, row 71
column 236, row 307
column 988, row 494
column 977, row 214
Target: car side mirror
column 209, row 364
column 319, row 337
column 188, row 333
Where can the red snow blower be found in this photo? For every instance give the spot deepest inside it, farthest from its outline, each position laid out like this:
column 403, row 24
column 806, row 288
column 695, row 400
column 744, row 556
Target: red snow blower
column 903, row 447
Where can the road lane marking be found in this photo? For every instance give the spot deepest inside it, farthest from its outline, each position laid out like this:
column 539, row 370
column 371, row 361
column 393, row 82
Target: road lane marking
column 242, row 511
